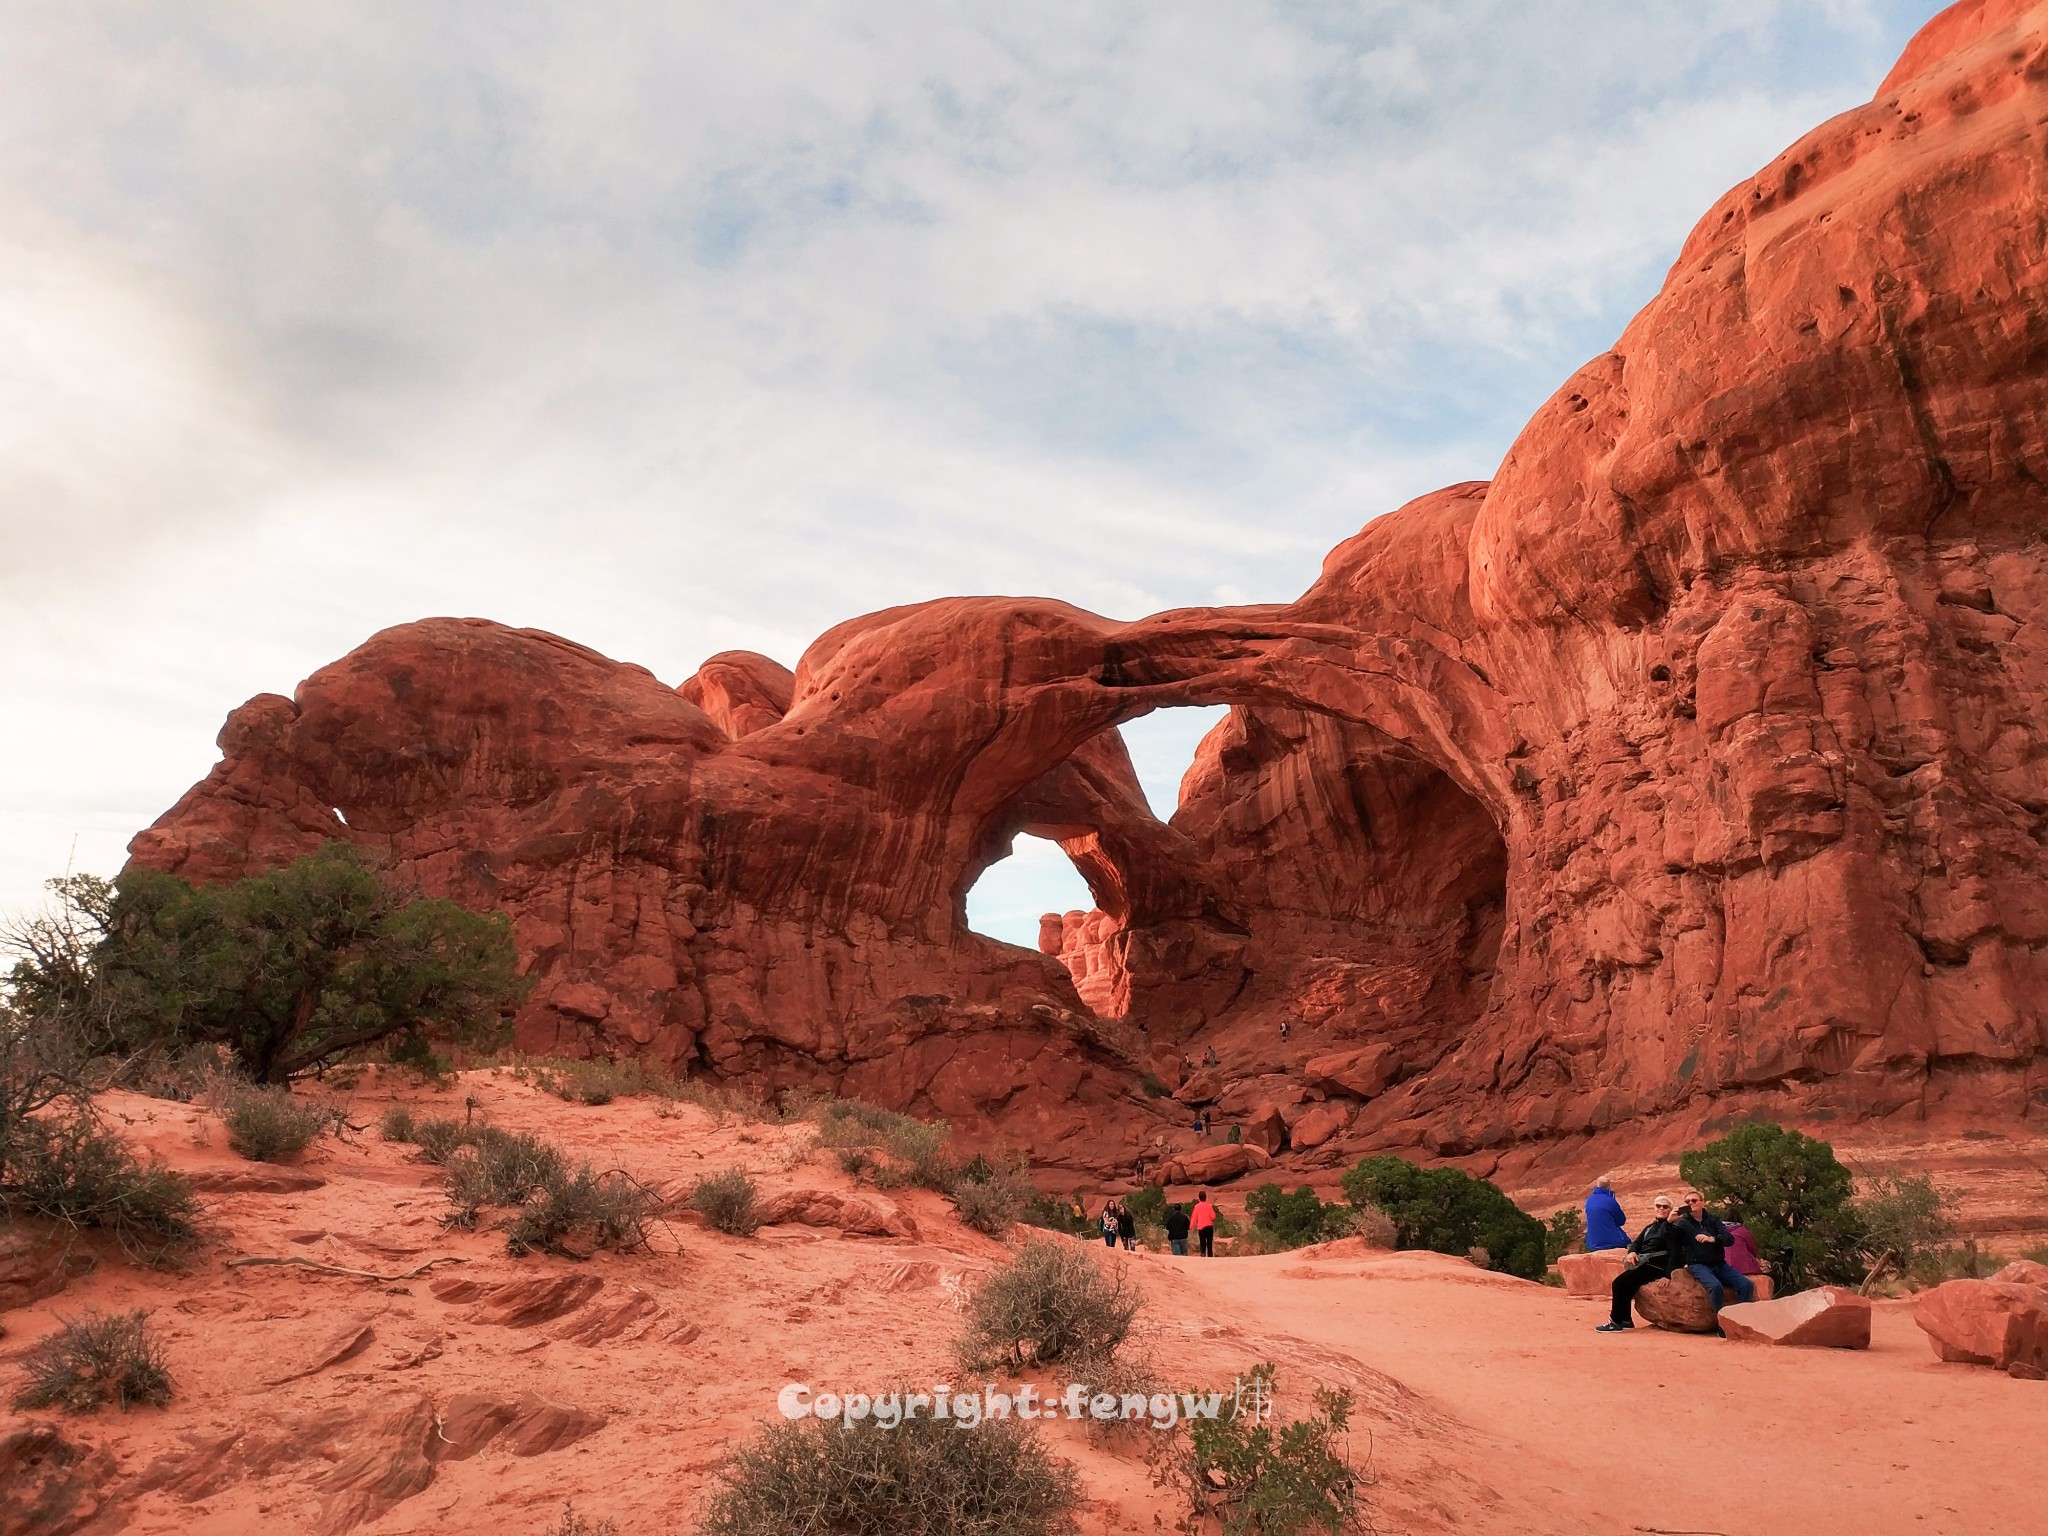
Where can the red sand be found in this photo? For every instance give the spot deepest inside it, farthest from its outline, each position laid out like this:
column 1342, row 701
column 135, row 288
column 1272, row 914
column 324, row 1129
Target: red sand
column 1486, row 1404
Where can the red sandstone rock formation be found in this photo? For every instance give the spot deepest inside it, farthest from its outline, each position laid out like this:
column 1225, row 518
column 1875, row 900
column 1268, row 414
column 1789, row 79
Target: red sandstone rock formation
column 1696, row 762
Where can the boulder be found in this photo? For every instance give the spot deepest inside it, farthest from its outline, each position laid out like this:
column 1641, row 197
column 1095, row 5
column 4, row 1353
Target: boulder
column 856, row 1215
column 1986, row 1322
column 38, row 1261
column 1363, row 1073
column 1317, row 1123
column 1592, row 1275
column 1266, row 1128
column 2023, row 1272
column 1827, row 1318
column 1203, row 1086
column 1678, row 1303
column 1214, row 1165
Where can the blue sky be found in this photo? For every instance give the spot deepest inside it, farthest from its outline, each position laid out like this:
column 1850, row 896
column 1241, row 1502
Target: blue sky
column 682, row 328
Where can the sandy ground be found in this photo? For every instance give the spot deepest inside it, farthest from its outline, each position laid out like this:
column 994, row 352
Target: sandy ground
column 1486, row 1404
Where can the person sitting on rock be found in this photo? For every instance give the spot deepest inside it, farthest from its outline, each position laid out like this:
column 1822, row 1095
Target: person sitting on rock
column 1604, row 1217
column 1177, row 1229
column 1203, row 1220
column 1652, row 1256
column 1706, row 1239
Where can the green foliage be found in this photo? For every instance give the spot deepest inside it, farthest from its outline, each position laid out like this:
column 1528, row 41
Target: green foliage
column 1296, row 1220
column 727, row 1200
column 1263, row 1479
column 915, row 1149
column 289, row 969
column 1447, row 1211
column 1050, row 1302
column 74, row 1170
column 595, row 1082
column 1791, row 1192
column 990, row 1196
column 1058, row 1213
column 924, row 1477
column 266, row 1124
column 397, row 1124
column 554, row 1208
column 1904, row 1221
column 99, row 1359
column 1564, row 1233
column 1148, row 1205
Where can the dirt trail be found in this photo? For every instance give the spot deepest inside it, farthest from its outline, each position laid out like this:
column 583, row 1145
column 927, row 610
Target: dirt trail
column 479, row 1396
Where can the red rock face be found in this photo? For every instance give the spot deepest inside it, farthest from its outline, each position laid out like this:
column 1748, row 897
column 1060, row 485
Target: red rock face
column 1694, row 764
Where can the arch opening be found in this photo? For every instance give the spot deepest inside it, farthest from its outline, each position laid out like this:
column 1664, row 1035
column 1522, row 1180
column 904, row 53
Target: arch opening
column 1019, row 886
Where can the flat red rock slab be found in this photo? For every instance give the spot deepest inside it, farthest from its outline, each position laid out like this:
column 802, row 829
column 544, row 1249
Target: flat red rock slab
column 1827, row 1318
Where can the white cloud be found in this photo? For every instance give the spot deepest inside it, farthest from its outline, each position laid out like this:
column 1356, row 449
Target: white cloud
column 686, row 327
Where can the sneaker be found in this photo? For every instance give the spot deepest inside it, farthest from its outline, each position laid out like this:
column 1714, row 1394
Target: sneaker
column 1616, row 1328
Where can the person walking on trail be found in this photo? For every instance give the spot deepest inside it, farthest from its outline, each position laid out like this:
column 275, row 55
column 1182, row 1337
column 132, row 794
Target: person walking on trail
column 1109, row 1225
column 1655, row 1253
column 1706, row 1242
column 1203, row 1220
column 1604, row 1218
column 1177, row 1229
column 1127, row 1227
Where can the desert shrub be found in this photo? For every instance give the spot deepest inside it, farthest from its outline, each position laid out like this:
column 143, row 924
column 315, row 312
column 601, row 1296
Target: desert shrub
column 579, row 1213
column 1057, row 1213
column 1792, row 1193
column 854, row 1163
column 1375, row 1227
column 1284, row 1220
column 74, row 1170
column 1254, row 1477
column 397, row 1124
column 1050, row 1302
column 266, row 1124
column 1564, row 1233
column 2038, row 1253
column 289, row 969
column 112, row 1358
column 991, row 1206
column 915, row 1149
column 440, row 1137
column 1148, row 1205
column 728, row 1201
column 1447, row 1211
column 922, row 1478
column 595, row 1082
column 503, row 1168
column 1904, row 1221
column 573, row 1524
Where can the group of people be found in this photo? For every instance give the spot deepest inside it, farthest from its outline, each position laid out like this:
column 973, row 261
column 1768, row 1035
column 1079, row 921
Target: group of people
column 1119, row 1224
column 1716, row 1251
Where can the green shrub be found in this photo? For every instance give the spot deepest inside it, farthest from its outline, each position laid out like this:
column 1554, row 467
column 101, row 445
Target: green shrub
column 439, row 1138
column 1058, row 1213
column 1904, row 1222
column 573, row 1524
column 579, row 1213
column 397, row 1124
column 267, row 1124
column 503, row 1168
column 1050, row 1302
column 99, row 1359
column 1148, row 1205
column 922, row 1478
column 1447, row 1211
column 1792, row 1193
column 1564, row 1233
column 595, row 1082
column 1257, row 1478
column 728, row 1201
column 1296, row 1220
column 915, row 1149
column 78, row 1172
column 992, row 1205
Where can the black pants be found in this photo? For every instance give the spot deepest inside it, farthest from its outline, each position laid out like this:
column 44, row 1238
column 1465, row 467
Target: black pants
column 1626, row 1284
column 1208, row 1237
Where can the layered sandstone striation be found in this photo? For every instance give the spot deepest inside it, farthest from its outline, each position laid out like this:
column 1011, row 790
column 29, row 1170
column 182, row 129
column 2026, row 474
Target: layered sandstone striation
column 1697, row 762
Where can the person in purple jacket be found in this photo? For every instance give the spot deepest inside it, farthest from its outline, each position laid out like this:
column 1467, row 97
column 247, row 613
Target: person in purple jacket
column 1604, row 1218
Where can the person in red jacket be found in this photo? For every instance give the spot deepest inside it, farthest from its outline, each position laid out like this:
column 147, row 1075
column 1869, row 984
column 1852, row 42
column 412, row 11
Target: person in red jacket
column 1203, row 1220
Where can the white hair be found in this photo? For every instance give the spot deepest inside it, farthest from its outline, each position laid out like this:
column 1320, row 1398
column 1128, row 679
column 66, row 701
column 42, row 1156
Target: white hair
column 1605, row 1181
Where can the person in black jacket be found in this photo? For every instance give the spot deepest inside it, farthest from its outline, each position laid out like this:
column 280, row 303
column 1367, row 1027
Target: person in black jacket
column 1705, row 1241
column 1177, row 1229
column 1653, row 1255
column 1127, row 1226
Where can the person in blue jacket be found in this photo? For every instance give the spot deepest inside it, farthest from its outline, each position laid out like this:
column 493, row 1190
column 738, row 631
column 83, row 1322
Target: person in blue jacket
column 1604, row 1218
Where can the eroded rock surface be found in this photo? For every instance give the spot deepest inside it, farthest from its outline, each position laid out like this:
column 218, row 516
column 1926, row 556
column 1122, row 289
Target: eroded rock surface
column 1697, row 762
